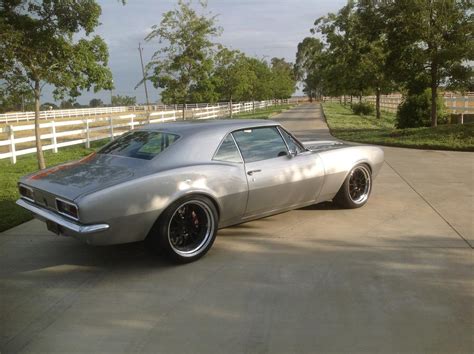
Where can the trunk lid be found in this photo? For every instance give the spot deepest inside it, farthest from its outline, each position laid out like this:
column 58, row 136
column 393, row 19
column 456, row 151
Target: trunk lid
column 73, row 179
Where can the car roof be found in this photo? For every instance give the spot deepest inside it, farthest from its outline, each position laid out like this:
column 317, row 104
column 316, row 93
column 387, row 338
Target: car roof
column 218, row 126
column 198, row 139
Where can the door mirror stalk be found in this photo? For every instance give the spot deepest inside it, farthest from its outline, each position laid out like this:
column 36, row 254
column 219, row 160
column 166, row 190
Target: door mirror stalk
column 293, row 153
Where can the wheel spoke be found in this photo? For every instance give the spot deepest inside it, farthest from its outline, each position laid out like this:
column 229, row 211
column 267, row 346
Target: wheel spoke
column 190, row 227
column 359, row 184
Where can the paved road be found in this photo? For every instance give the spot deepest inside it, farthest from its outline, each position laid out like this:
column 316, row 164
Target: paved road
column 394, row 276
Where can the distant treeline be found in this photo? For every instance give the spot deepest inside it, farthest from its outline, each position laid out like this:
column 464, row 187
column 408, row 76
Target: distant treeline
column 377, row 47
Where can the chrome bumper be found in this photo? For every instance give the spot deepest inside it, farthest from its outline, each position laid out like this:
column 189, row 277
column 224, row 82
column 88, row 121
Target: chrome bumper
column 61, row 220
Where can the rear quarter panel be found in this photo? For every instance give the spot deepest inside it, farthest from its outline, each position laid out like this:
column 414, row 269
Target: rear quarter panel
column 132, row 207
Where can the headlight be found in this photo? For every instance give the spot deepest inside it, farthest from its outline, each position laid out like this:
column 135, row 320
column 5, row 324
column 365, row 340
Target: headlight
column 67, row 208
column 26, row 193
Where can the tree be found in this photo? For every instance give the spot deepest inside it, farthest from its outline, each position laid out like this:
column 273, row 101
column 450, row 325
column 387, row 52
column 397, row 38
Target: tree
column 183, row 67
column 48, row 106
column 283, row 78
column 96, row 102
column 354, row 58
column 341, row 60
column 232, row 75
column 260, row 87
column 370, row 27
column 38, row 47
column 308, row 66
column 16, row 98
column 67, row 104
column 431, row 43
column 123, row 100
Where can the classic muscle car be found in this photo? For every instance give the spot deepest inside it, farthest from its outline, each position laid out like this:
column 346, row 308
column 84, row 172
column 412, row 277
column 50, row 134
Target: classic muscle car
column 175, row 184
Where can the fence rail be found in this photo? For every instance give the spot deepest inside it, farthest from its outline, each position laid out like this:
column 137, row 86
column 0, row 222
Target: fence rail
column 88, row 112
column 455, row 104
column 63, row 113
column 84, row 131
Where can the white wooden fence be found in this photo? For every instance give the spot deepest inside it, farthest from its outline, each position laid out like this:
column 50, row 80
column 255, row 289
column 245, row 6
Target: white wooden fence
column 83, row 131
column 61, row 113
column 88, row 112
column 455, row 104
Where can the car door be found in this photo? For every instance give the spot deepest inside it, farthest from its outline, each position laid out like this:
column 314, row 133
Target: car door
column 275, row 179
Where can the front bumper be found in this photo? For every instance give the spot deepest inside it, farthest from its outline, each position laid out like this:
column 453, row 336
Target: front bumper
column 62, row 221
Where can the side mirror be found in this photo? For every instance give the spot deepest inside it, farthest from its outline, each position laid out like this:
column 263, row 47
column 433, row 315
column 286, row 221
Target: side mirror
column 293, row 152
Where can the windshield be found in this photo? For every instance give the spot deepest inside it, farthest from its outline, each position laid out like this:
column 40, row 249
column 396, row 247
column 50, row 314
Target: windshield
column 140, row 144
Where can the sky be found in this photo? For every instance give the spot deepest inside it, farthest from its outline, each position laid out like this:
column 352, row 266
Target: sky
column 260, row 28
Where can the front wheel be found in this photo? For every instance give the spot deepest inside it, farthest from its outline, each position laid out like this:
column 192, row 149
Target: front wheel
column 186, row 230
column 355, row 190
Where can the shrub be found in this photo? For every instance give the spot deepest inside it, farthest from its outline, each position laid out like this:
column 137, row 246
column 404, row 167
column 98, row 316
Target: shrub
column 362, row 108
column 415, row 111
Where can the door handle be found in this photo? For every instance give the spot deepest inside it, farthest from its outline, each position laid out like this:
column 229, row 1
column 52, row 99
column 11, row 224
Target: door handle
column 250, row 173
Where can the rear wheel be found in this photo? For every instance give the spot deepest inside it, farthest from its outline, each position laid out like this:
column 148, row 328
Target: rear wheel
column 355, row 190
column 186, row 230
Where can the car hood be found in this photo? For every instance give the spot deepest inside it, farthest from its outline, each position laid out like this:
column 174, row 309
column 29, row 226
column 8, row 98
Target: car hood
column 94, row 172
column 323, row 145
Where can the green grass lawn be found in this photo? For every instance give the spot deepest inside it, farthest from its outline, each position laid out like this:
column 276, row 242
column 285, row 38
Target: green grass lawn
column 367, row 129
column 12, row 215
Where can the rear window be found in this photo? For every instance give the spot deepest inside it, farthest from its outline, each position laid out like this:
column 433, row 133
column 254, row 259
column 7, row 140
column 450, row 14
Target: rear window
column 140, row 144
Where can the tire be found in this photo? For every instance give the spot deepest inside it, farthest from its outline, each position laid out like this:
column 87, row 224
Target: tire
column 186, row 230
column 355, row 190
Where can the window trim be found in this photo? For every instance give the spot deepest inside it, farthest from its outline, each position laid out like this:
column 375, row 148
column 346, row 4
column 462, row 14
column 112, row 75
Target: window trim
column 236, row 145
column 297, row 142
column 260, row 127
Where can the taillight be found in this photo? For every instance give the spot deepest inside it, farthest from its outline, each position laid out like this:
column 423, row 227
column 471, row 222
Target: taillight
column 26, row 193
column 67, row 208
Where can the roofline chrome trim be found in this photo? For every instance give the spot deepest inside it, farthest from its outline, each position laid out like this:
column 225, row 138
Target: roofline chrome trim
column 60, row 220
column 238, row 148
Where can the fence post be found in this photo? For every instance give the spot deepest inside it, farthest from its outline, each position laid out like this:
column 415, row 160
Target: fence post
column 131, row 121
column 111, row 122
column 54, row 140
column 88, row 139
column 466, row 105
column 11, row 136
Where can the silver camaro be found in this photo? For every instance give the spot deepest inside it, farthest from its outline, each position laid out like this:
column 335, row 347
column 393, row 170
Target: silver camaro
column 175, row 184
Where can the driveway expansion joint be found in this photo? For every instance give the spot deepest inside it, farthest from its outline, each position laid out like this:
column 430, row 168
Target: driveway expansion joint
column 430, row 205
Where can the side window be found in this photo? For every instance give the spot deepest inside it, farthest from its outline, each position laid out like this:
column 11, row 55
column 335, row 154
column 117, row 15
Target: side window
column 293, row 144
column 228, row 151
column 260, row 144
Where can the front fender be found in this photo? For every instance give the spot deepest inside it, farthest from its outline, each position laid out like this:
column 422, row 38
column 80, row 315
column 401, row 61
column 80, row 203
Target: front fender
column 339, row 162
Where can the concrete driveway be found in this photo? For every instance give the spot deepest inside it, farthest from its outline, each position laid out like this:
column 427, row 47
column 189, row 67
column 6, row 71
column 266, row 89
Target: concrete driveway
column 394, row 276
